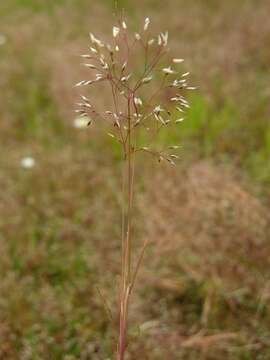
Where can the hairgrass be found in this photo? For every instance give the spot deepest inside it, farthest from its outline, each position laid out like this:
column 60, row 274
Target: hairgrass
column 136, row 108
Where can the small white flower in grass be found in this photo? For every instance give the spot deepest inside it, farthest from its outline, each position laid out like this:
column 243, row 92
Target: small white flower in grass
column 168, row 70
column 151, row 42
column 146, row 23
column 137, row 36
column 3, row 39
column 178, row 61
column 28, row 162
column 124, row 25
column 116, row 31
column 81, row 122
column 138, row 101
column 116, row 48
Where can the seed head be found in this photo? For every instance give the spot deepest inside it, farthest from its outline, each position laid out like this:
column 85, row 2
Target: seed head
column 179, row 120
column 164, row 38
column 93, row 50
column 114, row 64
column 178, row 61
column 168, row 70
column 146, row 23
column 147, row 79
column 116, row 31
column 185, row 74
column 138, row 101
column 95, row 40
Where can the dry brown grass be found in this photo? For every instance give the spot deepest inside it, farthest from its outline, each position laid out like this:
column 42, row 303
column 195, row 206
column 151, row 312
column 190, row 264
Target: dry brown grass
column 207, row 228
column 225, row 216
column 226, row 43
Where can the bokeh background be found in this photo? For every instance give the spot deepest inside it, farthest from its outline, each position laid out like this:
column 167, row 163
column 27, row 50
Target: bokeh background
column 204, row 288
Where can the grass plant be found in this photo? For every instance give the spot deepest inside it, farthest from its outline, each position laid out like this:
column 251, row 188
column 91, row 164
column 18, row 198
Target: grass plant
column 145, row 95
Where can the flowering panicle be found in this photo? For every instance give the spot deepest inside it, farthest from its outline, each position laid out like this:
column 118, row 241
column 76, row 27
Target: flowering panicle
column 133, row 108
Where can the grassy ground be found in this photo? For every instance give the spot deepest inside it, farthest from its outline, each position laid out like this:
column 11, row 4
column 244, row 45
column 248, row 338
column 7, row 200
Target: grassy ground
column 204, row 287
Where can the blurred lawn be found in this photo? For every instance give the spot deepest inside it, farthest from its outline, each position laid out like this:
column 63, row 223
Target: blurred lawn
column 205, row 290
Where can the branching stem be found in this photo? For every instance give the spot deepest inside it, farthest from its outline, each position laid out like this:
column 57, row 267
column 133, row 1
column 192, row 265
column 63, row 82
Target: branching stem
column 126, row 241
